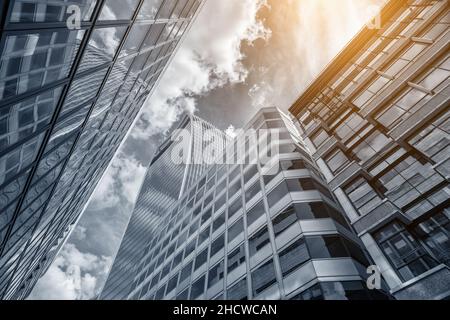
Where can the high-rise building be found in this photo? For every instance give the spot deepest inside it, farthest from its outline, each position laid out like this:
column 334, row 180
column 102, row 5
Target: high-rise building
column 69, row 91
column 165, row 183
column 247, row 230
column 377, row 122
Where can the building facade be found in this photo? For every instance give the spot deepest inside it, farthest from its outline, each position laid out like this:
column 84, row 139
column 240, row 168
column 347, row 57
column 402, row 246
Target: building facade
column 377, row 122
column 164, row 184
column 68, row 95
column 253, row 230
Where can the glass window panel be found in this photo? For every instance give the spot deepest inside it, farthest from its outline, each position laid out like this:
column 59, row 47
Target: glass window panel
column 20, row 120
column 30, row 61
column 235, row 230
column 198, row 287
column 149, row 9
column 118, row 9
column 216, row 274
column 293, row 256
column 26, row 11
column 238, row 291
column 255, row 213
column 258, row 241
column 236, row 258
column 263, row 277
column 101, row 47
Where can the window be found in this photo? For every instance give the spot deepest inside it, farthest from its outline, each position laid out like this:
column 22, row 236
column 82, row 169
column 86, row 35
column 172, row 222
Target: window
column 406, row 254
column 172, row 284
column 319, row 138
column 186, row 272
column 362, row 195
column 198, row 287
column 236, row 258
column 235, row 230
column 118, row 10
column 235, row 208
column 190, row 248
column 149, row 9
column 336, row 160
column 183, row 295
column 26, row 11
column 201, row 259
column 313, row 293
column 221, row 201
column 263, row 277
column 293, row 256
column 204, row 235
column 206, row 215
column 259, row 240
column 250, row 173
column 252, row 191
column 217, row 245
column 322, row 247
column 435, row 233
column 255, row 213
column 216, row 274
column 177, row 260
column 238, row 291
column 284, row 220
column 348, row 290
column 277, row 194
column 218, row 222
column 292, row 165
column 28, row 59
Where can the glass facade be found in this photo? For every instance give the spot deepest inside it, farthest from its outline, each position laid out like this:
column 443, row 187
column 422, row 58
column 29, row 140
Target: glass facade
column 248, row 235
column 377, row 121
column 67, row 100
column 165, row 183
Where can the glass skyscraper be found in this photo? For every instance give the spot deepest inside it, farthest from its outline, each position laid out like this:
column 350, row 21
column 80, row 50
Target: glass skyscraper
column 164, row 184
column 243, row 231
column 377, row 122
column 68, row 96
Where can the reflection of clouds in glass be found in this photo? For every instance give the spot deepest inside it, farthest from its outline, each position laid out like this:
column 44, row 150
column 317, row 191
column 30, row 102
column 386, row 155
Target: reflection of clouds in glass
column 149, row 9
column 107, row 39
column 118, row 9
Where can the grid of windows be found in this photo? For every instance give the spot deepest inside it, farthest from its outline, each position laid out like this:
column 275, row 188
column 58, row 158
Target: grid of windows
column 377, row 119
column 233, row 250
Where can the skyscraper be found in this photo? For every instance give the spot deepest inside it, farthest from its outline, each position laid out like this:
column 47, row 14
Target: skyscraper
column 165, row 183
column 247, row 230
column 69, row 92
column 377, row 122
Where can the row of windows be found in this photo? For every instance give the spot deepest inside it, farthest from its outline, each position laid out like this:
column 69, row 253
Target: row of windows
column 291, row 258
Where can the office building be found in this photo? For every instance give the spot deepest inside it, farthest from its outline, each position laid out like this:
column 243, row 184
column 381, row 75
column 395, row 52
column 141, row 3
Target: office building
column 250, row 230
column 164, row 184
column 377, row 122
column 69, row 93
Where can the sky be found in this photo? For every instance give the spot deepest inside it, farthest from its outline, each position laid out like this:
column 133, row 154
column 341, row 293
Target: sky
column 238, row 56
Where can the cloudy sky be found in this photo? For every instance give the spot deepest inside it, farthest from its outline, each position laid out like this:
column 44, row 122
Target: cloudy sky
column 238, row 56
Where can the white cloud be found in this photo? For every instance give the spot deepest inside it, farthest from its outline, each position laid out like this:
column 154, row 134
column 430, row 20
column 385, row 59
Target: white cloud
column 79, row 233
column 121, row 182
column 210, row 57
column 73, row 276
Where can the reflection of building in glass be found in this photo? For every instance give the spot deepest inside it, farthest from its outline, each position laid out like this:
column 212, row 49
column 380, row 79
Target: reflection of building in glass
column 377, row 120
column 239, row 232
column 67, row 99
